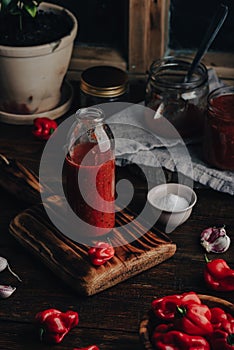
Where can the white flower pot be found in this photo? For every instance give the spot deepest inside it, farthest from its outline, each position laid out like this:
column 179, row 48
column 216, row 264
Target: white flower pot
column 31, row 77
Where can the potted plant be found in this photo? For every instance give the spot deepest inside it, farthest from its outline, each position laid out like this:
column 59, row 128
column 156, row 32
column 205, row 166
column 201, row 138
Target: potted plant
column 36, row 42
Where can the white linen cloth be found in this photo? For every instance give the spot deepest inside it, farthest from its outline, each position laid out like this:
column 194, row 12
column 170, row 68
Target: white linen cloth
column 135, row 143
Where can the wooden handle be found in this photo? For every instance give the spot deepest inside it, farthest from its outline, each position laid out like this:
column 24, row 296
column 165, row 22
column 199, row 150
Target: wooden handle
column 20, row 182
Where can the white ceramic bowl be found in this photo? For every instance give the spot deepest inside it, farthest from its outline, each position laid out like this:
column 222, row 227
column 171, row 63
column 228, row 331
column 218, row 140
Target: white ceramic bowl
column 172, row 204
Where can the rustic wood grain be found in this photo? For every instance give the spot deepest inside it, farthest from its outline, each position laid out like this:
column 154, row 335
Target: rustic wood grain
column 20, row 181
column 109, row 319
column 70, row 261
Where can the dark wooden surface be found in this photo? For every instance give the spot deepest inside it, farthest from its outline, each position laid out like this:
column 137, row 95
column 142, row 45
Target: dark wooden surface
column 110, row 318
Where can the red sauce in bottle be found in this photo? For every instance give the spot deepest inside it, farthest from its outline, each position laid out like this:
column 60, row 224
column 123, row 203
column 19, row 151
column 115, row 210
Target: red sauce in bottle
column 90, row 187
column 219, row 129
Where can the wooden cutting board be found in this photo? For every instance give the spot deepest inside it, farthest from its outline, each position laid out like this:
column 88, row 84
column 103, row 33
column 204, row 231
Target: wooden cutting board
column 70, row 261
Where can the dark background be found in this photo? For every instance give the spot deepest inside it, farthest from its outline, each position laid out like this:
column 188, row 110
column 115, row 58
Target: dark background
column 105, row 23
column 190, row 19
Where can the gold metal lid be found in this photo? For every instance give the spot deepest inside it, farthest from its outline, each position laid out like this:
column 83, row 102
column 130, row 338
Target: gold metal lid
column 104, row 81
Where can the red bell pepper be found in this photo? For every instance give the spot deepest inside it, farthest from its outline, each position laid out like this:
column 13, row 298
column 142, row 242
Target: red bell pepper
column 176, row 340
column 193, row 319
column 44, row 128
column 90, row 347
column 101, row 253
column 165, row 307
column 222, row 320
column 218, row 275
column 54, row 324
column 221, row 340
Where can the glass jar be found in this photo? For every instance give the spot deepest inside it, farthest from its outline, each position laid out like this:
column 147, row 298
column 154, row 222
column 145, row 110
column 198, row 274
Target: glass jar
column 182, row 103
column 218, row 142
column 102, row 84
column 90, row 172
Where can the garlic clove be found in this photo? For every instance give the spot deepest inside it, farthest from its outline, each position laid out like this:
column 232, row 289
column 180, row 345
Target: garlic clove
column 4, row 264
column 215, row 239
column 6, row 291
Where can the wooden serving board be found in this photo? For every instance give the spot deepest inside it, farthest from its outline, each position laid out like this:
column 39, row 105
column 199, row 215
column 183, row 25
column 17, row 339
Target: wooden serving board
column 70, row 261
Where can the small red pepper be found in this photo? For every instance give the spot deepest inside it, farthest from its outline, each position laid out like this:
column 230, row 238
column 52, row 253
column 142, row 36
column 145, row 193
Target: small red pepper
column 218, row 275
column 44, row 128
column 176, row 340
column 54, row 324
column 221, row 340
column 165, row 307
column 193, row 319
column 90, row 347
column 101, row 253
column 222, row 320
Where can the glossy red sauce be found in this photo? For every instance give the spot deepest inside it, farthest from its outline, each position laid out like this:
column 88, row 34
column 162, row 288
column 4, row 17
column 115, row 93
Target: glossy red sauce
column 96, row 182
column 219, row 133
column 224, row 106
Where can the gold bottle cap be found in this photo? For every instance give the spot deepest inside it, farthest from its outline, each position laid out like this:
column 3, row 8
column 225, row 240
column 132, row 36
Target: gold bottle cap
column 104, row 81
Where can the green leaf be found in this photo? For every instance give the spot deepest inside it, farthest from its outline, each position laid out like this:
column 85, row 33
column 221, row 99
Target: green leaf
column 31, row 9
column 5, row 3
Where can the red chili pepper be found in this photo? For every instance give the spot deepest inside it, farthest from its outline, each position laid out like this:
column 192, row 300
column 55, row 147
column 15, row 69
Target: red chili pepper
column 221, row 340
column 218, row 275
column 54, row 324
column 90, row 347
column 176, row 340
column 193, row 319
column 44, row 128
column 101, row 253
column 165, row 307
column 163, row 328
column 222, row 320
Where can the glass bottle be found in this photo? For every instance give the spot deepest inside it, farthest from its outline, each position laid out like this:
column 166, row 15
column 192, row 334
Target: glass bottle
column 218, row 142
column 90, row 171
column 182, row 103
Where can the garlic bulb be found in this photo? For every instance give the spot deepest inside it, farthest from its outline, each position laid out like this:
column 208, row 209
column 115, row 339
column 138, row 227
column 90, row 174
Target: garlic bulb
column 6, row 291
column 214, row 239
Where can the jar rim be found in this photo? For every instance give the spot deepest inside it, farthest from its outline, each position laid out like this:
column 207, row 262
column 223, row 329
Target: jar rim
column 199, row 77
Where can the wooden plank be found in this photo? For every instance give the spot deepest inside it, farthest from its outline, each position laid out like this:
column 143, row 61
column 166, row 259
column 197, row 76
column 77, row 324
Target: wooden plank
column 222, row 62
column 70, row 261
column 84, row 57
column 148, row 29
column 139, row 17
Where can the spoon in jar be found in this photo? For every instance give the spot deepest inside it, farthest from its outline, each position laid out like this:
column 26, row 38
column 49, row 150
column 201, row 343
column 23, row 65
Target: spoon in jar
column 208, row 39
column 170, row 110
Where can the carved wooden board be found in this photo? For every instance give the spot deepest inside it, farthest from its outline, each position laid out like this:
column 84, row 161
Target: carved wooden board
column 70, row 260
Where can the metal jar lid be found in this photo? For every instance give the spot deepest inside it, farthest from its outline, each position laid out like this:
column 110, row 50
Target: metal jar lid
column 104, row 81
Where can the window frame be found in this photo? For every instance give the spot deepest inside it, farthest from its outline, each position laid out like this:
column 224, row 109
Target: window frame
column 147, row 41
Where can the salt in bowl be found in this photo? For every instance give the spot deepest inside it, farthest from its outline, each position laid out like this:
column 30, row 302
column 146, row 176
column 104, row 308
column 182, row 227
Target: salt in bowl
column 171, row 204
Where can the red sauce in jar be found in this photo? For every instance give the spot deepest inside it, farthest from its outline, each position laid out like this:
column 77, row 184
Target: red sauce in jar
column 91, row 196
column 224, row 105
column 219, row 131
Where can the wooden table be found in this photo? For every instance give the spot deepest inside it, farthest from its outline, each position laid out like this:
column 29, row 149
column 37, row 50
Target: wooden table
column 111, row 318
